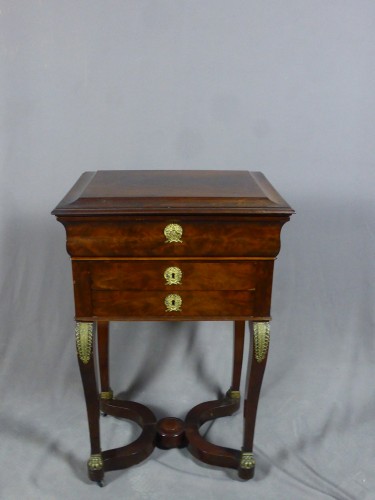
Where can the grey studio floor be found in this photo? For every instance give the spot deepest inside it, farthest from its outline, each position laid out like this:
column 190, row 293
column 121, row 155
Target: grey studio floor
column 286, row 88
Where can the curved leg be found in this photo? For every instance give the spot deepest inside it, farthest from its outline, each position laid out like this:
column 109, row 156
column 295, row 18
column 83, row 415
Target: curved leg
column 84, row 343
column 103, row 355
column 238, row 337
column 260, row 337
column 201, row 448
column 117, row 458
column 143, row 446
column 198, row 446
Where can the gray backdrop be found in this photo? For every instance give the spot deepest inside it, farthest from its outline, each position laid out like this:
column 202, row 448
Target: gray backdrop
column 285, row 87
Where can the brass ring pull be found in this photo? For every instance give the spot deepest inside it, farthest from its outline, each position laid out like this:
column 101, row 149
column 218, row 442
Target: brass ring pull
column 173, row 233
column 173, row 276
column 173, row 303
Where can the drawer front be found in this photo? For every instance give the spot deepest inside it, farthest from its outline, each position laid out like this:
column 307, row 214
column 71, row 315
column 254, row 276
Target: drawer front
column 163, row 237
column 172, row 275
column 182, row 305
column 137, row 289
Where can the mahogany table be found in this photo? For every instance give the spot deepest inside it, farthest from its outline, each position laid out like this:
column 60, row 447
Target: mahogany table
column 172, row 246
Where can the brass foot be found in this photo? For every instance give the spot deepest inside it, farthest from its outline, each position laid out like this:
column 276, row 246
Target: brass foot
column 247, row 460
column 247, row 465
column 95, row 462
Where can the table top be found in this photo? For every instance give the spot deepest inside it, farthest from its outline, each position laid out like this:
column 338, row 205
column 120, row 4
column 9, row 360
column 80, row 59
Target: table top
column 116, row 192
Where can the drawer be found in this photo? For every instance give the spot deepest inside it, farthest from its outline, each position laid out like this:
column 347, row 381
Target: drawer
column 172, row 275
column 173, row 237
column 118, row 288
column 182, row 305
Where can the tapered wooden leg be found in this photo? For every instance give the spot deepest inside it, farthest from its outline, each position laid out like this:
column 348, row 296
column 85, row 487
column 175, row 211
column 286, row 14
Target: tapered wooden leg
column 260, row 337
column 103, row 354
column 238, row 337
column 85, row 348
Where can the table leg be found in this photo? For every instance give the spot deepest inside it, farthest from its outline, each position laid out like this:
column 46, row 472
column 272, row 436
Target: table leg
column 85, row 354
column 103, row 355
column 238, row 337
column 260, row 337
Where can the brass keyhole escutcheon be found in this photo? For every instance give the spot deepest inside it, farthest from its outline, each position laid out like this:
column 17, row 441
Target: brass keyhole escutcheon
column 173, row 302
column 173, row 233
column 173, row 276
